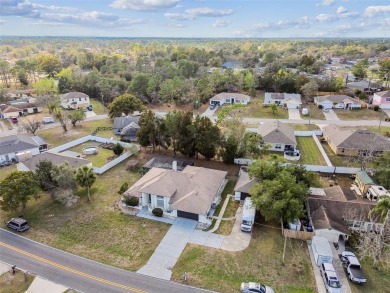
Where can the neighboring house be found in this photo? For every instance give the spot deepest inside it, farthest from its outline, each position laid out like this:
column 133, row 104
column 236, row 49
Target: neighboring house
column 291, row 101
column 126, row 127
column 12, row 145
column 363, row 181
column 382, row 99
column 335, row 212
column 55, row 158
column 232, row 65
column 187, row 194
column 337, row 102
column 18, row 109
column 243, row 184
column 167, row 163
column 74, row 100
column 279, row 136
column 230, row 98
column 364, row 86
column 352, row 143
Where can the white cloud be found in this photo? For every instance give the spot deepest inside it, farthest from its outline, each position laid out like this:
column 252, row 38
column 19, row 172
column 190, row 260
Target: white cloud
column 52, row 7
column 220, row 23
column 341, row 9
column 372, row 11
column 18, row 8
column 191, row 14
column 326, row 3
column 144, row 5
column 209, row 12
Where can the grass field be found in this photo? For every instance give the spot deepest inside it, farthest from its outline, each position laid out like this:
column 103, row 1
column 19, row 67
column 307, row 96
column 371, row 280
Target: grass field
column 310, row 154
column 4, row 171
column 223, row 271
column 255, row 109
column 15, row 283
column 56, row 136
column 362, row 114
column 96, row 230
column 304, row 127
column 314, row 112
column 97, row 160
column 98, row 107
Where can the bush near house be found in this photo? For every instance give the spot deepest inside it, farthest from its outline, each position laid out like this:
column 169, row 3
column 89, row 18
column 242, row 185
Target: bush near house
column 376, row 108
column 157, row 212
column 131, row 201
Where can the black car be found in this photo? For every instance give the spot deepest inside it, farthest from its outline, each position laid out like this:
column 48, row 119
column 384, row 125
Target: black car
column 18, row 224
column 212, row 106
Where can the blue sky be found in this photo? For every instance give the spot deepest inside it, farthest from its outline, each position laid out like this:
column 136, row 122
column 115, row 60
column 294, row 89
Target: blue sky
column 196, row 18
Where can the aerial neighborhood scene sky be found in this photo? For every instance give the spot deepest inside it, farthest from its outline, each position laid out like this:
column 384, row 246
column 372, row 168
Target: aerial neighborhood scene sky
column 196, row 18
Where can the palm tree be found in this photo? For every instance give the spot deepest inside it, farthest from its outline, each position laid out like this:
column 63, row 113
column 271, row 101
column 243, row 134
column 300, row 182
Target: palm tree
column 85, row 177
column 274, row 107
column 382, row 209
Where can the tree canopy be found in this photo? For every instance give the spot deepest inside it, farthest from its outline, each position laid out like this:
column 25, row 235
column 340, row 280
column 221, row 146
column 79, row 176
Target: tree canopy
column 126, row 104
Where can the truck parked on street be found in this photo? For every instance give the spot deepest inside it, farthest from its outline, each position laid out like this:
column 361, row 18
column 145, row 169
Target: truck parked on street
column 248, row 215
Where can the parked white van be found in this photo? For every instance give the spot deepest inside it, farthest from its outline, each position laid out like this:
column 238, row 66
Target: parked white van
column 46, row 120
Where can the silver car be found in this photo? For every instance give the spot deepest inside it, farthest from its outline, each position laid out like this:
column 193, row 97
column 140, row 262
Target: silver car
column 251, row 287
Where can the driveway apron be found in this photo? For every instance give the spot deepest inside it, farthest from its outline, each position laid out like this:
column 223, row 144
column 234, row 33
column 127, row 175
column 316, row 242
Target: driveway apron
column 294, row 114
column 331, row 115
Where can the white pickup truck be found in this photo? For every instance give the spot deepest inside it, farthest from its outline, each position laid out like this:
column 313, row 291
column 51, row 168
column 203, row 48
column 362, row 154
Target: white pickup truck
column 353, row 268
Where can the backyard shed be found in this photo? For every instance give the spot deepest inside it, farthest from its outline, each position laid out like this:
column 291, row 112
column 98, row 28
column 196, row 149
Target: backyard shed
column 321, row 250
column 363, row 181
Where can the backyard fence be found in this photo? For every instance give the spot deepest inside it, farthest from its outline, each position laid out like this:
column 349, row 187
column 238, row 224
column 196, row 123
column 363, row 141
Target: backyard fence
column 302, row 235
column 307, row 132
column 101, row 128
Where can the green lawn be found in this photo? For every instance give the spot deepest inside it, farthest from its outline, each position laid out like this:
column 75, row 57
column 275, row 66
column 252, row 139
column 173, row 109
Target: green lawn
column 98, row 160
column 15, row 283
column 255, row 109
column 98, row 107
column 304, row 127
column 5, row 171
column 310, row 154
column 339, row 161
column 56, row 136
column 96, row 230
column 361, row 114
column 314, row 112
column 223, row 271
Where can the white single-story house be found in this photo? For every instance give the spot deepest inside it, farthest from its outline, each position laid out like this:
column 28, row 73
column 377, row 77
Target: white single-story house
column 230, row 98
column 12, row 145
column 55, row 158
column 337, row 102
column 279, row 136
column 382, row 99
column 187, row 194
column 291, row 101
column 74, row 100
column 18, row 109
column 335, row 211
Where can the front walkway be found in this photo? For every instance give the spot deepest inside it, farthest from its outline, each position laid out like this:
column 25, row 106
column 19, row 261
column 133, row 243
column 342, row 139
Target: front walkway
column 331, row 115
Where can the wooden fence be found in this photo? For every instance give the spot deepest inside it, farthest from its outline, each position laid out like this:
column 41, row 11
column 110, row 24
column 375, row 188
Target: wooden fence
column 302, row 235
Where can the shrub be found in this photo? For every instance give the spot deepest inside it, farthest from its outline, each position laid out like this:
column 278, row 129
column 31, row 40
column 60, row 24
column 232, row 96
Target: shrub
column 131, row 201
column 157, row 212
column 118, row 149
column 376, row 108
column 123, row 188
column 320, row 107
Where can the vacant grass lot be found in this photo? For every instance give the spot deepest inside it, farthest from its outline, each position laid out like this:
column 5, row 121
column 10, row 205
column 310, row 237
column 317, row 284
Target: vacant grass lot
column 223, row 271
column 96, row 230
column 314, row 112
column 57, row 136
column 310, row 154
column 98, row 107
column 98, row 160
column 255, row 109
column 362, row 114
column 15, row 283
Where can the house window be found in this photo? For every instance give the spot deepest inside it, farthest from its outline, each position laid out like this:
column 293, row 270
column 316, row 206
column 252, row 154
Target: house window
column 80, row 99
column 227, row 100
column 160, row 201
column 387, row 99
column 342, row 150
column 278, row 146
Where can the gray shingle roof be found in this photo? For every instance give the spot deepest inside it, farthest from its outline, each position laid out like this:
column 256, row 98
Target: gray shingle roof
column 56, row 159
column 122, row 122
column 356, row 139
column 17, row 143
column 337, row 99
column 277, row 132
column 244, row 183
column 223, row 96
column 385, row 94
column 73, row 95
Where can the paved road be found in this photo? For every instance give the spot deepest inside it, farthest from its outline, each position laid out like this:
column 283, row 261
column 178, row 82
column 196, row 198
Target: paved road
column 76, row 272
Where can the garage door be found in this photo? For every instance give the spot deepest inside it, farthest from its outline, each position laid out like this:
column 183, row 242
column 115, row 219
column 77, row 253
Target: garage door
column 244, row 195
column 187, row 215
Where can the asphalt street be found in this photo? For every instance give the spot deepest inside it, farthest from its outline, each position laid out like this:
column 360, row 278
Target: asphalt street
column 79, row 273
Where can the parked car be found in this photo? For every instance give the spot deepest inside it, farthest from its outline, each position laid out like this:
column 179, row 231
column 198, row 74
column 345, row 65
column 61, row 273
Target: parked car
column 325, row 110
column 344, row 256
column 331, row 280
column 251, row 287
column 89, row 108
column 354, row 269
column 18, row 224
column 47, row 120
column 212, row 106
column 13, row 119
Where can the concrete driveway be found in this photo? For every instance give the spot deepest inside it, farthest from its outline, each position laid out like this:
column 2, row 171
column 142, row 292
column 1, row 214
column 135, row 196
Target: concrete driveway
column 209, row 112
column 294, row 114
column 331, row 115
